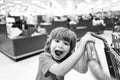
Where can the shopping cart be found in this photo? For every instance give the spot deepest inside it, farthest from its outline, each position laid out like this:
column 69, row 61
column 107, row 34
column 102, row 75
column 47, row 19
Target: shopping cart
column 112, row 55
column 116, row 41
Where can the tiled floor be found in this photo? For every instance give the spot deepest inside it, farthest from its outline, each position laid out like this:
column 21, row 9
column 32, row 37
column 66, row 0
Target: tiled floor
column 27, row 69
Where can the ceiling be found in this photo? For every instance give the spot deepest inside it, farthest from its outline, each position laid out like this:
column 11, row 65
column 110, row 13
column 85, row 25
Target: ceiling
column 68, row 7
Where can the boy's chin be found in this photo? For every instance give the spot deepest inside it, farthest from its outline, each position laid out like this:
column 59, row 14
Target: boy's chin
column 60, row 59
column 57, row 58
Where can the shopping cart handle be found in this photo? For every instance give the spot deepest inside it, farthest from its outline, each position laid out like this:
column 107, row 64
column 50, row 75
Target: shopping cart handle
column 99, row 37
column 107, row 46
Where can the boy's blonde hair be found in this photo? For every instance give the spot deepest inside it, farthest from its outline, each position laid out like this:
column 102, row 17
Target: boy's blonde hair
column 62, row 33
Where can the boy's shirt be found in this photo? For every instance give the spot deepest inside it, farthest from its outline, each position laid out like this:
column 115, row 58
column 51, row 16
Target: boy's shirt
column 45, row 62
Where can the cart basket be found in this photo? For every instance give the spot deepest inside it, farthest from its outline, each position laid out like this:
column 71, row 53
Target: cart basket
column 113, row 59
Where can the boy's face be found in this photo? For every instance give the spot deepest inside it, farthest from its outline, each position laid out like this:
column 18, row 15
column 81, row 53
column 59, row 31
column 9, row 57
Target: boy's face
column 59, row 48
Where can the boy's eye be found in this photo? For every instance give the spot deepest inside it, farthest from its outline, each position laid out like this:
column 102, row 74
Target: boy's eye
column 66, row 43
column 57, row 40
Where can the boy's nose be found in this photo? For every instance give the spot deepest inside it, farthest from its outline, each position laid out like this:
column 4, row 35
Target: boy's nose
column 60, row 44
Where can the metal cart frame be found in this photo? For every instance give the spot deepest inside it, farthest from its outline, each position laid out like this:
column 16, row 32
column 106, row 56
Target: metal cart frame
column 112, row 56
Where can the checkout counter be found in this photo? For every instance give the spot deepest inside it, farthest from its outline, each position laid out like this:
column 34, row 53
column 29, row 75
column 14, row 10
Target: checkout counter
column 22, row 46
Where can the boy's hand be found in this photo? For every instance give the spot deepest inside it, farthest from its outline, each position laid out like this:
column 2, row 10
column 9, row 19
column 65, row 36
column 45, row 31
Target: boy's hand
column 86, row 38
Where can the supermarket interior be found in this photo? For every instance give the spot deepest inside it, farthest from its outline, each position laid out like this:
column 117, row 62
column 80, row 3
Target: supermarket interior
column 25, row 26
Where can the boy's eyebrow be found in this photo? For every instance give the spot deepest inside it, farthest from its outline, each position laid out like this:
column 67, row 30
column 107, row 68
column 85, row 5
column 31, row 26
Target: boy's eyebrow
column 66, row 42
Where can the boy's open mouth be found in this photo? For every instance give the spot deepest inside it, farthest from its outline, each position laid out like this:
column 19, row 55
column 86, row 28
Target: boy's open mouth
column 58, row 52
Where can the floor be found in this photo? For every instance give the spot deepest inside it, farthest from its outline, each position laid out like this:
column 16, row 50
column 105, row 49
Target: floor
column 27, row 69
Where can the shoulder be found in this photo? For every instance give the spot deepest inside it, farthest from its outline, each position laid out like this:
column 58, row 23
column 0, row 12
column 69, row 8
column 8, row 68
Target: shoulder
column 44, row 54
column 45, row 57
column 46, row 60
